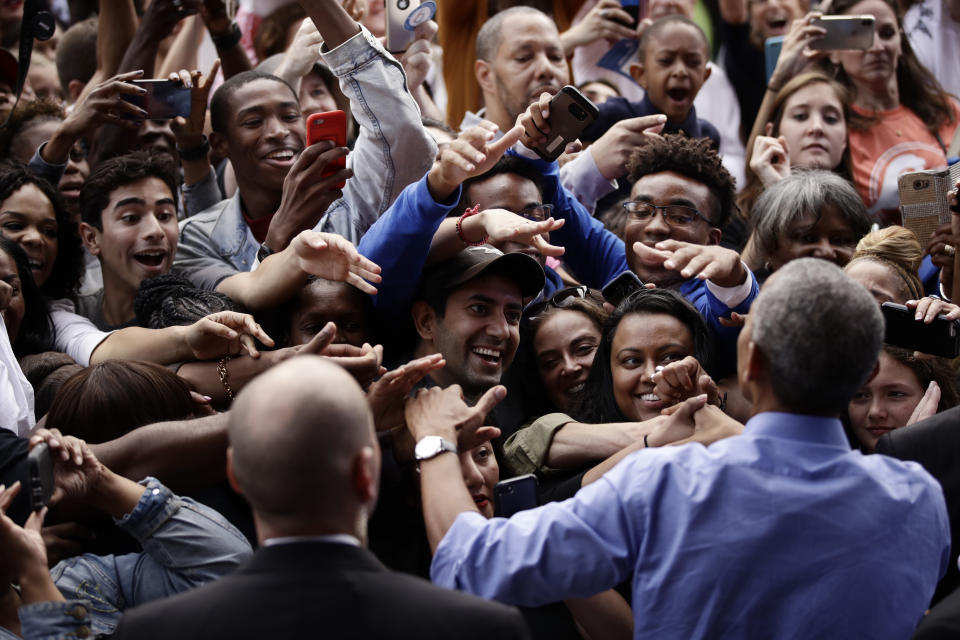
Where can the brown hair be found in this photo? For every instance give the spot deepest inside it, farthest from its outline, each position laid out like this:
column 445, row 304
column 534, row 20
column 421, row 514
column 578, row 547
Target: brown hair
column 753, row 187
column 930, row 370
column 919, row 89
column 115, row 397
column 271, row 37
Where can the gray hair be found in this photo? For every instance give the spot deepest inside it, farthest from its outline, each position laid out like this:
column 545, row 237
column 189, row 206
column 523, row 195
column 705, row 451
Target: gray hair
column 801, row 194
column 820, row 333
column 488, row 38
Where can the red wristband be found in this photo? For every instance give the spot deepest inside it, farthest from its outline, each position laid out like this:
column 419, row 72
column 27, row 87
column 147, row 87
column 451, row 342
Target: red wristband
column 466, row 214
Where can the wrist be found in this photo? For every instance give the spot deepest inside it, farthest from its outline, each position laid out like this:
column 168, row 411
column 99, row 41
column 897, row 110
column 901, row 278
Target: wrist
column 114, row 494
column 36, row 584
column 57, row 149
column 439, row 189
column 736, row 277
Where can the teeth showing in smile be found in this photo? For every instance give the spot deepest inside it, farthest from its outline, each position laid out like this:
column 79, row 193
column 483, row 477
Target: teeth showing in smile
column 577, row 388
column 151, row 258
column 282, row 154
column 35, row 264
column 650, row 397
column 487, row 354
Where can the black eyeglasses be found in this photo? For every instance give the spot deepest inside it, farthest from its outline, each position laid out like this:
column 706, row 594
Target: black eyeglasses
column 561, row 300
column 536, row 212
column 675, row 215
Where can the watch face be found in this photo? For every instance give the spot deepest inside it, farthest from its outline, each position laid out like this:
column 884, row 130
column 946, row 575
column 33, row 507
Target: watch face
column 428, row 447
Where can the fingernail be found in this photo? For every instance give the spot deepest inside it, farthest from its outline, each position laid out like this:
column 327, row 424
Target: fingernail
column 545, row 114
column 470, row 167
column 207, row 398
column 661, row 118
column 918, row 316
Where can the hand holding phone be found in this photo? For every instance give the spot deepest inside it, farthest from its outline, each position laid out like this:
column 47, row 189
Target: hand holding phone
column 621, row 287
column 940, row 337
column 163, row 99
column 548, row 129
column 332, row 126
column 40, row 485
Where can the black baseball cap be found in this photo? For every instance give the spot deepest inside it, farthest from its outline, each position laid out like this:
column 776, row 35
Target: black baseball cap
column 476, row 261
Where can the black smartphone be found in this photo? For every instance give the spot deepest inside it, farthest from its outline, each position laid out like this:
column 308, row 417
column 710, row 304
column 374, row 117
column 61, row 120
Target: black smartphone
column 570, row 113
column 164, row 99
column 620, row 288
column 939, row 338
column 633, row 8
column 515, row 494
column 40, row 466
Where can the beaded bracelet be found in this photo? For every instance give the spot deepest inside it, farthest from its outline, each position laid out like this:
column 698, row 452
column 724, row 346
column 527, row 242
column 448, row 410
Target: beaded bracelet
column 466, row 214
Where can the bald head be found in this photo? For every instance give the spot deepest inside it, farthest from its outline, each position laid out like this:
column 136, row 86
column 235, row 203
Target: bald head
column 296, row 433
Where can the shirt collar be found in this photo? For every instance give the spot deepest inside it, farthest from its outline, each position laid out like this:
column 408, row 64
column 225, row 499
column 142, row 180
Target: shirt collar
column 338, row 538
column 795, row 426
column 690, row 126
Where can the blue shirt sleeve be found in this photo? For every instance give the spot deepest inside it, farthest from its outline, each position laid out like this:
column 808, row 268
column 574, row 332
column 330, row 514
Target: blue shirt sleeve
column 399, row 242
column 594, row 254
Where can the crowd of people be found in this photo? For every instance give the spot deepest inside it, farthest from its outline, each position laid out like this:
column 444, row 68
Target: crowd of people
column 339, row 342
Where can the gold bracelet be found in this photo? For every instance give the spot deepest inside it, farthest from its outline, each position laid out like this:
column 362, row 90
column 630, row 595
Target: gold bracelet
column 225, row 375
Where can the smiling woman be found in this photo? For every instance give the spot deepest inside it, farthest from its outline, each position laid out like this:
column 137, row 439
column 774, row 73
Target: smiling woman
column 32, row 215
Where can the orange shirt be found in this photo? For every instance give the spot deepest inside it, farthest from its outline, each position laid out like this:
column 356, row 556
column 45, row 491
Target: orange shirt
column 897, row 143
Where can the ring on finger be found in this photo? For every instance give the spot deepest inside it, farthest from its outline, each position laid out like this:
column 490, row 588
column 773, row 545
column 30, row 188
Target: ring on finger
column 949, row 249
column 604, row 13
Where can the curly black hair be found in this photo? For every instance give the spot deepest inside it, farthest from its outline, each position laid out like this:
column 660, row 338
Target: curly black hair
column 25, row 113
column 694, row 158
column 68, row 266
column 172, row 300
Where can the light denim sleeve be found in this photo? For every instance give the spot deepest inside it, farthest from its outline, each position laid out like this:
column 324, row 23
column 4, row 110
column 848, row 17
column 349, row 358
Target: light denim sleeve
column 570, row 549
column 66, row 620
column 201, row 195
column 393, row 149
column 185, row 544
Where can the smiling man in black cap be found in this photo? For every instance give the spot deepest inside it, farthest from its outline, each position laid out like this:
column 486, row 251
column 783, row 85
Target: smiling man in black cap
column 469, row 311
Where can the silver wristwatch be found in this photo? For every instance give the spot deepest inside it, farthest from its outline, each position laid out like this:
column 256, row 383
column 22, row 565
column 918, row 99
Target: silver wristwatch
column 432, row 446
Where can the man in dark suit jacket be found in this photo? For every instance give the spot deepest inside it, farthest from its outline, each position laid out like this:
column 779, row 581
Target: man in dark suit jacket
column 935, row 444
column 304, row 454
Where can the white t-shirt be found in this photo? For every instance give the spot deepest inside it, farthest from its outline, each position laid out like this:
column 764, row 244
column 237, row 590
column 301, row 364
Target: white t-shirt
column 935, row 37
column 74, row 335
column 16, row 394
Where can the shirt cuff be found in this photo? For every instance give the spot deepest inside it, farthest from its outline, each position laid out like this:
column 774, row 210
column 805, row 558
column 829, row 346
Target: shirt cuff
column 156, row 506
column 52, row 620
column 733, row 296
column 943, row 294
column 582, row 178
column 38, row 158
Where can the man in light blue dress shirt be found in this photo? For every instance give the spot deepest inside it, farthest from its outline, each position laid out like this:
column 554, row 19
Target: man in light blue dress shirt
column 782, row 532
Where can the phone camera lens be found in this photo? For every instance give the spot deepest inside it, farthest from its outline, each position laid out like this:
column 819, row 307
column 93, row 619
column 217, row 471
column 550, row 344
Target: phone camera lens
column 403, row 4
column 578, row 112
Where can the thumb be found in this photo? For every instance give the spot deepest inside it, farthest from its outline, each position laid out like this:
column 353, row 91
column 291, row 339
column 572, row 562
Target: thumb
column 768, row 129
column 490, row 399
column 691, row 405
column 510, row 138
column 320, row 341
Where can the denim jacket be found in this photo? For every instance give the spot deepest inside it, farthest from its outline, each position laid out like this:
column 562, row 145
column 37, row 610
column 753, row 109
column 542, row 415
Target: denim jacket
column 392, row 151
column 185, row 545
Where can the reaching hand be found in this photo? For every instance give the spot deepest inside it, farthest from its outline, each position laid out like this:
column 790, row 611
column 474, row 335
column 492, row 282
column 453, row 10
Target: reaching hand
column 684, row 379
column 215, row 18
column 502, row 226
column 771, row 158
column 105, row 105
column 443, row 412
column 611, row 152
column 225, row 333
column 76, row 471
column 161, row 16
column 473, row 152
column 388, row 395
column 307, row 193
column 417, row 59
column 677, row 422
column 363, row 363
column 302, row 54
column 333, row 257
column 703, row 261
column 189, row 131
column 606, row 20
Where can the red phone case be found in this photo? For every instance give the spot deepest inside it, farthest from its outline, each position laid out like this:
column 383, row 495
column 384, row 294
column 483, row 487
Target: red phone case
column 331, row 125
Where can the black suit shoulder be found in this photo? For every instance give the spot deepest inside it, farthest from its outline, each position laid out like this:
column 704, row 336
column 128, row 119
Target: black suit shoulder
column 298, row 591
